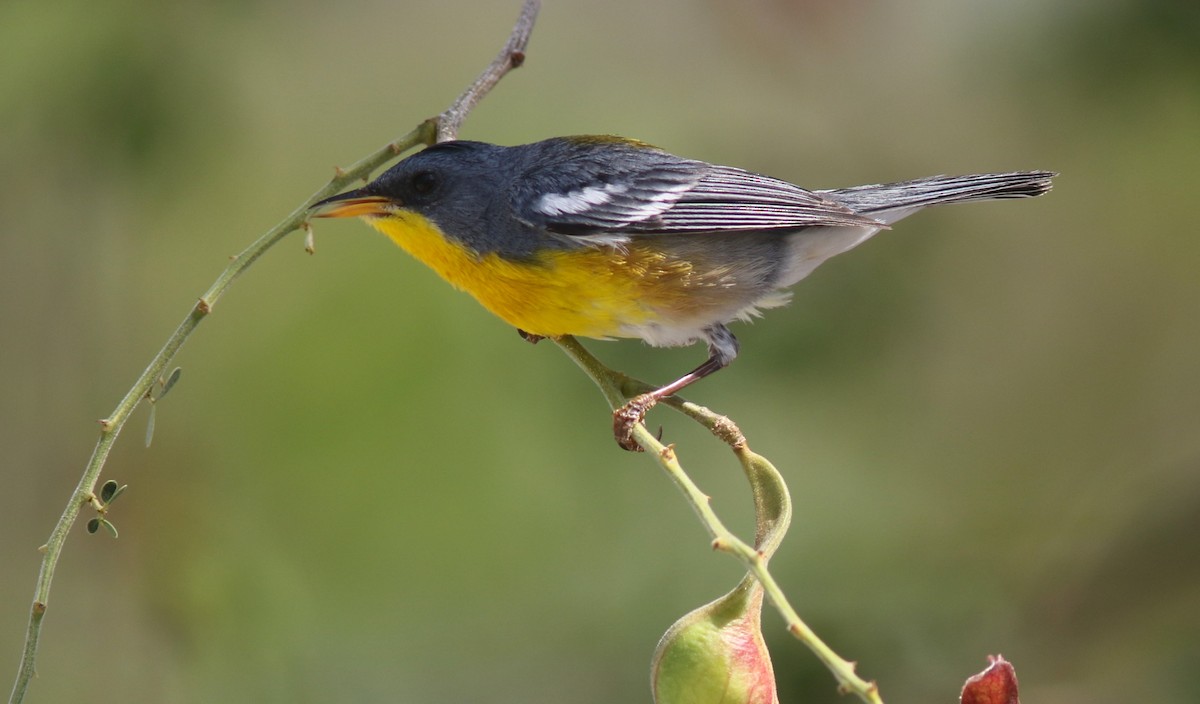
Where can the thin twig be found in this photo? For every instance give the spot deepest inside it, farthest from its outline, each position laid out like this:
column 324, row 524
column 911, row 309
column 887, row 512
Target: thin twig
column 110, row 427
column 510, row 57
column 615, row 387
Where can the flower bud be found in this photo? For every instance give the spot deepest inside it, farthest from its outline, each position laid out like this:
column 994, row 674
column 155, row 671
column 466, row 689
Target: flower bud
column 995, row 685
column 716, row 654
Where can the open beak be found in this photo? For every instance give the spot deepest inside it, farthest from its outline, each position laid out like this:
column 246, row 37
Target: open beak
column 351, row 204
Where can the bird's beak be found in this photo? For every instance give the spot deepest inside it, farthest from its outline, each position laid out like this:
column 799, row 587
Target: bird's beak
column 351, row 204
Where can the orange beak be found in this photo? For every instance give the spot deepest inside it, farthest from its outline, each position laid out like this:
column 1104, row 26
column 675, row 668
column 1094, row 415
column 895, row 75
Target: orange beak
column 352, row 204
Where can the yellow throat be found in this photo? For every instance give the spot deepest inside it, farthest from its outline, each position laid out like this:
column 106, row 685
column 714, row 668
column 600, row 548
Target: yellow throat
column 592, row 292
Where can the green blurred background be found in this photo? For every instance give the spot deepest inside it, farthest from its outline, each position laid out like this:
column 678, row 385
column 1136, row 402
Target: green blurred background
column 365, row 488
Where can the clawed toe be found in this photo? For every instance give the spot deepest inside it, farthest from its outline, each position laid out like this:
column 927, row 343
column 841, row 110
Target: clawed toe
column 627, row 417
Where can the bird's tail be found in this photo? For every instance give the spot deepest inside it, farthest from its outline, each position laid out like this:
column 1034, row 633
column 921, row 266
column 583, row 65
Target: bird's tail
column 907, row 196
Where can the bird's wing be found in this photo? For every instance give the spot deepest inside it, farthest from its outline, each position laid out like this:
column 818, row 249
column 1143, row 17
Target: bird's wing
column 733, row 199
column 606, row 188
column 606, row 195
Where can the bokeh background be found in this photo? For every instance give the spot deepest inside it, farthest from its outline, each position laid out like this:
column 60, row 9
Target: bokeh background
column 367, row 489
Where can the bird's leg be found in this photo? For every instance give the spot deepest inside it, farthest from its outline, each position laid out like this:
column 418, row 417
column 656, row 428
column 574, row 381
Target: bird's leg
column 722, row 349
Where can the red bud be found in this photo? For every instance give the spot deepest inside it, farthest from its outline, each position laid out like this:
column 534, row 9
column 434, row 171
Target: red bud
column 995, row 685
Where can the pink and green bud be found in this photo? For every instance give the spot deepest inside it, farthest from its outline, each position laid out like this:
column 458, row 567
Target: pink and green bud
column 716, row 654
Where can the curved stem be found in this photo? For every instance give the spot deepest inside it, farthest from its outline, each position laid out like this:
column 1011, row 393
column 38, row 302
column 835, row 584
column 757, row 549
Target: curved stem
column 616, row 388
column 444, row 125
column 111, row 426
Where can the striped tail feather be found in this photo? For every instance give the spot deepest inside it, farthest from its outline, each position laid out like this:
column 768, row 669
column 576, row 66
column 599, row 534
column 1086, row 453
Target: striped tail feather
column 935, row 190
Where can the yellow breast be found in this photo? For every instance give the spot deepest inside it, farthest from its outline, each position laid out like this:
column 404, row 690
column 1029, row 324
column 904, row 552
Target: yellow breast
column 593, row 292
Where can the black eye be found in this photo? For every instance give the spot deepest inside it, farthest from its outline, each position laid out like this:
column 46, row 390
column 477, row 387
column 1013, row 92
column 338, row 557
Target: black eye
column 424, row 182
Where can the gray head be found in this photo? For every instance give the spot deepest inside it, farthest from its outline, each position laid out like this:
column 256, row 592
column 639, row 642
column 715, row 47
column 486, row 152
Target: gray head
column 459, row 186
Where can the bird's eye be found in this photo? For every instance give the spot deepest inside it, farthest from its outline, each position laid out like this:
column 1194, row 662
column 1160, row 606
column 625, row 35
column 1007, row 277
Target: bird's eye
column 424, row 182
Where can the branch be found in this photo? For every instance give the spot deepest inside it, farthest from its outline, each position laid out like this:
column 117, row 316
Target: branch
column 444, row 126
column 510, row 57
column 616, row 387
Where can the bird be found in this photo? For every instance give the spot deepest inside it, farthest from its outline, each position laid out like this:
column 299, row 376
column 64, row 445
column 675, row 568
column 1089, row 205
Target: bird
column 609, row 237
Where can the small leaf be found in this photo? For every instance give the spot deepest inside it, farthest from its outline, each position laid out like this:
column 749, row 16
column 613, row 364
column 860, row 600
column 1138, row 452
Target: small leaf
column 112, row 530
column 108, row 490
column 93, row 525
column 150, row 425
column 120, row 490
column 171, row 381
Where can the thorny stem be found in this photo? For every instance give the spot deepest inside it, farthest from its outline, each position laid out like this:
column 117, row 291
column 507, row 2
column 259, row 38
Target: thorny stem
column 444, row 126
column 616, row 388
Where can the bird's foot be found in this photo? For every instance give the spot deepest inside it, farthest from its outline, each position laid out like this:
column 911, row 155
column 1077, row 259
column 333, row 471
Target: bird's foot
column 626, row 418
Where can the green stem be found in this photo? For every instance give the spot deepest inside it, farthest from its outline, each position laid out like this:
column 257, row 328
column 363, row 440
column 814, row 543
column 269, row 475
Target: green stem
column 112, row 425
column 616, row 388
column 444, row 126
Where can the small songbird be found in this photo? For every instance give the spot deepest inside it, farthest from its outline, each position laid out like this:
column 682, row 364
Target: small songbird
column 610, row 237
